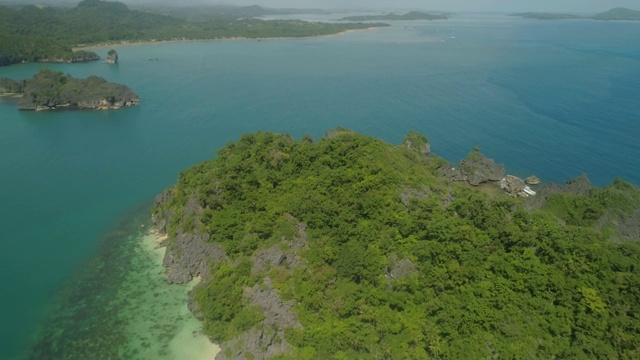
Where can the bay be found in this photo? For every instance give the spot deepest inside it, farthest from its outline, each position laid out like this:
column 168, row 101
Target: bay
column 553, row 99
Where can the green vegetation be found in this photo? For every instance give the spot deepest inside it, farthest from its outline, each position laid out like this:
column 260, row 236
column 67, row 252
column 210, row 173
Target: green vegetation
column 399, row 263
column 412, row 15
column 48, row 34
column 50, row 90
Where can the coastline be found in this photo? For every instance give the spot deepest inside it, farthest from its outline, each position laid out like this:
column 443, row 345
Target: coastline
column 176, row 41
column 189, row 342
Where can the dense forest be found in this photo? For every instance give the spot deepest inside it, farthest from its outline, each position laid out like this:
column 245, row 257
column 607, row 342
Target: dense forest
column 49, row 90
column 349, row 247
column 48, row 34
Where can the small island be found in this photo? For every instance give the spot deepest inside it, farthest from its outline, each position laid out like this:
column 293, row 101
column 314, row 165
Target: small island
column 412, row 15
column 51, row 90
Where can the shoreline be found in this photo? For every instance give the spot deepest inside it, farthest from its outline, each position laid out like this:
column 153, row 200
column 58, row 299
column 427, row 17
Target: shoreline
column 176, row 41
column 189, row 342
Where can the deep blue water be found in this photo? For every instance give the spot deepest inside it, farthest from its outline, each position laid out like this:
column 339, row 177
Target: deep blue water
column 553, row 99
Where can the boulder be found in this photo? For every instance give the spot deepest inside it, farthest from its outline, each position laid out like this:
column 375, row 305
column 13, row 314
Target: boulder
column 532, row 180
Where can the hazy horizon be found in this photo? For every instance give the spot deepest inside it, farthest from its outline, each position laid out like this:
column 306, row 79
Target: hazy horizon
column 573, row 6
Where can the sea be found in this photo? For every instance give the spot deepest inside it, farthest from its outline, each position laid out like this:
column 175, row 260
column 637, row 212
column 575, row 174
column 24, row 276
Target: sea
column 80, row 274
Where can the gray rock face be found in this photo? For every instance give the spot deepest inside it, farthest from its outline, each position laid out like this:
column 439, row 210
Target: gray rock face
column 267, row 339
column 475, row 169
column 513, row 185
column 188, row 256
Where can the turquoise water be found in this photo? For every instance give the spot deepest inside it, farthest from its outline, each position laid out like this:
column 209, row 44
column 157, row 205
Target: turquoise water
column 548, row 98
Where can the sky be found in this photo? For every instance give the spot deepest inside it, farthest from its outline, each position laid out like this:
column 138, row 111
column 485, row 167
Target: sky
column 575, row 6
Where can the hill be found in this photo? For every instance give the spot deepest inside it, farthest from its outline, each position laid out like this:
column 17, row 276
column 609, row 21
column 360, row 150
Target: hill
column 350, row 247
column 619, row 14
column 412, row 15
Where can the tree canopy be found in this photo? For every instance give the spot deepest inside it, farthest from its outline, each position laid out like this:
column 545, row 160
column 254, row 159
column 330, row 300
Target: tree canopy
column 399, row 263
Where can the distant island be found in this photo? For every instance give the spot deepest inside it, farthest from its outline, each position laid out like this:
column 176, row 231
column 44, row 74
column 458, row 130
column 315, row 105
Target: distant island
column 412, row 15
column 619, row 14
column 610, row 15
column 50, row 90
column 546, row 16
column 49, row 34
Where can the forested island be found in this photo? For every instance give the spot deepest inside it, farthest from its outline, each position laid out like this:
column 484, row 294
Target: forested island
column 610, row 15
column 48, row 34
column 352, row 248
column 51, row 90
column 412, row 15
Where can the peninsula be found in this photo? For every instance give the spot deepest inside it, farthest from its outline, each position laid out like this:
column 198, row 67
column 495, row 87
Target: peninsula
column 352, row 248
column 50, row 90
column 412, row 15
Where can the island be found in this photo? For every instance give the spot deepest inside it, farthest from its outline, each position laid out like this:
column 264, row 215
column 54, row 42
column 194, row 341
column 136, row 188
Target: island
column 352, row 248
column 50, row 34
column 546, row 16
column 412, row 15
column 50, row 90
column 609, row 15
column 619, row 14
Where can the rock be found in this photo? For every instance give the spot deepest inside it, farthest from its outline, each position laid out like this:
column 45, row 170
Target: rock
column 475, row 169
column 513, row 185
column 267, row 339
column 188, row 254
column 532, row 180
column 416, row 141
column 112, row 57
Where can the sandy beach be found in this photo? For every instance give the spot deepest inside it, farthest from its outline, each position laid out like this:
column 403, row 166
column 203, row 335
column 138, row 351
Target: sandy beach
column 164, row 328
column 161, row 42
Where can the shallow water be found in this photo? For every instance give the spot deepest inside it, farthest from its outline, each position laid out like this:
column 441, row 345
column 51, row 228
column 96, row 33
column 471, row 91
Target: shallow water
column 552, row 99
column 121, row 307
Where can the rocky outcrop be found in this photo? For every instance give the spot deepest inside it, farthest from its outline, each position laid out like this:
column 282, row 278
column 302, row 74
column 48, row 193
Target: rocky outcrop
column 278, row 254
column 112, row 57
column 49, row 90
column 532, row 180
column 579, row 185
column 266, row 339
column 401, row 268
column 474, row 169
column 188, row 254
column 417, row 142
